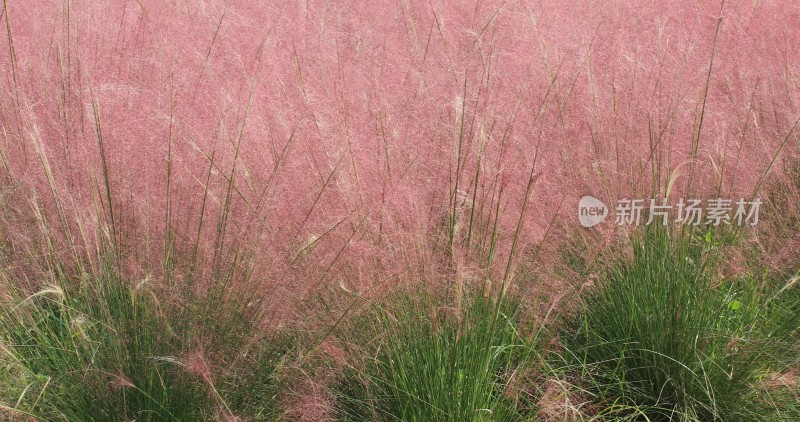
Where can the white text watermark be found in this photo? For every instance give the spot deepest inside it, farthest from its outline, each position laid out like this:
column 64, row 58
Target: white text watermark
column 634, row 212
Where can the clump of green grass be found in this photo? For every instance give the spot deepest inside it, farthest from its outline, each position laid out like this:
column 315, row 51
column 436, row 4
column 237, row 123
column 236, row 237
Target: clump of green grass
column 96, row 347
column 96, row 350
column 662, row 338
column 425, row 363
column 254, row 385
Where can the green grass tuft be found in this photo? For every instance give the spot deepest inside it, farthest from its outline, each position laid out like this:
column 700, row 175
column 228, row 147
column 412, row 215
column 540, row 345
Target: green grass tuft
column 662, row 338
column 426, row 364
column 97, row 350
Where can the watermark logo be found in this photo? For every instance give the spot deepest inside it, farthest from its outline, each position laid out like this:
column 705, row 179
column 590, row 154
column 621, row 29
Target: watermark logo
column 591, row 211
column 635, row 212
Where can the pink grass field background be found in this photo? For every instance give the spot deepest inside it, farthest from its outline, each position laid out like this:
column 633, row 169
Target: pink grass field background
column 354, row 122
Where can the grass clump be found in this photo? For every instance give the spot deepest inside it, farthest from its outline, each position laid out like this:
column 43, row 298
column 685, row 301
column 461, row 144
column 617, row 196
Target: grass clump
column 254, row 385
column 662, row 338
column 94, row 349
column 428, row 363
column 99, row 348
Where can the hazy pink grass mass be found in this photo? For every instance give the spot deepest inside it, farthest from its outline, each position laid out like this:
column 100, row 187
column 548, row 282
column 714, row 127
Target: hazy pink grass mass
column 342, row 121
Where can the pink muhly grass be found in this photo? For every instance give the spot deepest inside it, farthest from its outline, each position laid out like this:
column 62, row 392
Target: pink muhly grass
column 289, row 148
column 284, row 122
